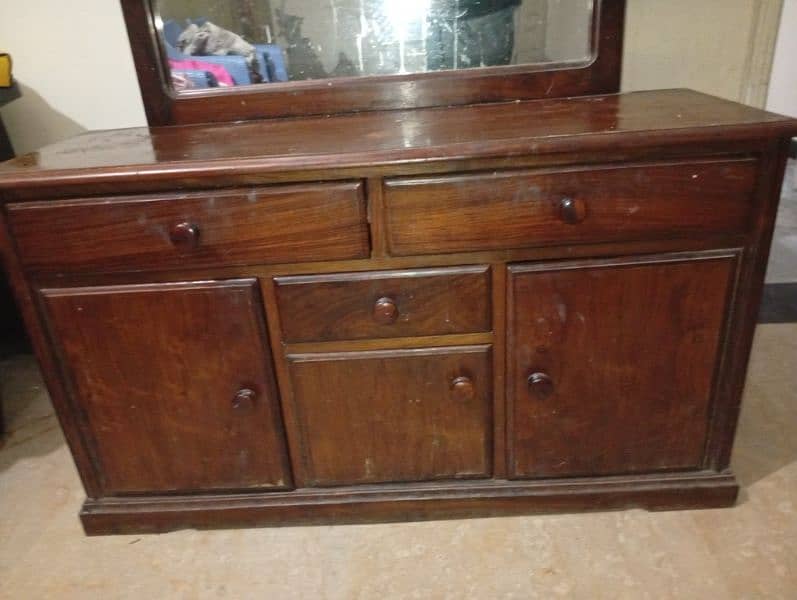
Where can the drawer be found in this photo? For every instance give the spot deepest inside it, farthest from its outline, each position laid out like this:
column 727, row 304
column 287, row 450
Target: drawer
column 283, row 224
column 578, row 205
column 384, row 304
column 402, row 415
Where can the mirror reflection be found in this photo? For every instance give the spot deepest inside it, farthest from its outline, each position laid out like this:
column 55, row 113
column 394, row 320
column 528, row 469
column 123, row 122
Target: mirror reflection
column 227, row 43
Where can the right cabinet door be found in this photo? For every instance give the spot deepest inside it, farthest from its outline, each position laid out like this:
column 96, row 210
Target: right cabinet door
column 612, row 363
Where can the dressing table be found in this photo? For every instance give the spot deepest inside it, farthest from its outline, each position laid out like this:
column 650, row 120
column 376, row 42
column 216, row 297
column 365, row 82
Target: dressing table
column 395, row 294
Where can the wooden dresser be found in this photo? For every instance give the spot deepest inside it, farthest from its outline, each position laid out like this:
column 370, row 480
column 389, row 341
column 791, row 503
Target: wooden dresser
column 443, row 312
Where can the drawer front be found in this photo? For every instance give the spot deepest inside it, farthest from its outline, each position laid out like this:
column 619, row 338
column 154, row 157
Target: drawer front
column 404, row 415
column 384, row 304
column 536, row 208
column 246, row 226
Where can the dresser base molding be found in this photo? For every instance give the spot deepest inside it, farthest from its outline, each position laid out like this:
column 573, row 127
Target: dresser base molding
column 390, row 503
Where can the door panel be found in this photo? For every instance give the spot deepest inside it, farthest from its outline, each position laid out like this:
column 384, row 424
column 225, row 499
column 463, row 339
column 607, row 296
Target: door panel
column 175, row 383
column 612, row 364
column 404, row 415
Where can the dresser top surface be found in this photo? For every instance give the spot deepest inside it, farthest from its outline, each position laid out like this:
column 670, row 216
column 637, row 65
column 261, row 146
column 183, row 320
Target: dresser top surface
column 377, row 138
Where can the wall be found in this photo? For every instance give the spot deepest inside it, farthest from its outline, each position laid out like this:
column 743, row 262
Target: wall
column 73, row 60
column 722, row 47
column 783, row 85
column 73, row 63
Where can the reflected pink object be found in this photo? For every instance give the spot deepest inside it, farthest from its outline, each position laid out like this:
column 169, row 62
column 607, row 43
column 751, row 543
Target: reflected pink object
column 221, row 74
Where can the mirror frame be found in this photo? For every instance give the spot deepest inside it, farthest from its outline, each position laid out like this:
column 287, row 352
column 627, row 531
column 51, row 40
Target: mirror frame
column 164, row 106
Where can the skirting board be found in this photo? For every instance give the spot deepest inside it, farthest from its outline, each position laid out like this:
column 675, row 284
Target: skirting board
column 388, row 503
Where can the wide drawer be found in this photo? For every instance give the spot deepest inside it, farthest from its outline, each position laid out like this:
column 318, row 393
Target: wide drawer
column 384, row 304
column 390, row 416
column 588, row 204
column 243, row 226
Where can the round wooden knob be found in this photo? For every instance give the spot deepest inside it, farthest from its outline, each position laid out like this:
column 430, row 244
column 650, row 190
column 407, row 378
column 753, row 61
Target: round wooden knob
column 385, row 311
column 541, row 385
column 572, row 210
column 463, row 388
column 184, row 235
column 244, row 399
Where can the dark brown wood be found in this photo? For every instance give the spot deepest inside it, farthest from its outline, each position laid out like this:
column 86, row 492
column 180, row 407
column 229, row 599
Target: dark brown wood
column 572, row 210
column 741, row 329
column 385, row 311
column 368, row 504
column 341, row 95
column 184, row 235
column 536, row 133
column 150, row 63
column 463, row 389
column 267, row 225
column 650, row 381
column 191, row 157
column 399, row 415
column 384, row 304
column 506, row 210
column 612, row 363
column 160, row 415
column 68, row 416
column 541, row 385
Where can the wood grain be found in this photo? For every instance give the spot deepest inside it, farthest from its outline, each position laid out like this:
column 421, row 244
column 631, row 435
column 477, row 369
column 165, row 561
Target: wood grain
column 260, row 225
column 507, row 210
column 394, row 415
column 426, row 302
column 625, row 352
column 162, row 417
column 405, row 502
column 665, row 122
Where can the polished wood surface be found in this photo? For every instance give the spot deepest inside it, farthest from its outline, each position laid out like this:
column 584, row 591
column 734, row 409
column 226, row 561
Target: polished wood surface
column 650, row 381
column 194, row 156
column 384, row 304
column 613, row 362
column 159, row 415
column 399, row 415
column 516, row 209
column 267, row 225
column 352, row 94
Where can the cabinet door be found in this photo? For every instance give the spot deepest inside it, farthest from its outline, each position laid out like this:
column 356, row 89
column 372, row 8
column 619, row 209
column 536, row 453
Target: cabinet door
column 612, row 363
column 404, row 415
column 175, row 383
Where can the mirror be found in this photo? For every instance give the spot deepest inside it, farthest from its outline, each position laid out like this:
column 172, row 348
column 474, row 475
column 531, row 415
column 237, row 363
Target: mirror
column 232, row 43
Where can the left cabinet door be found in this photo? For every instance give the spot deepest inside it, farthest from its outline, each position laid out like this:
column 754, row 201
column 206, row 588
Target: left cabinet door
column 175, row 383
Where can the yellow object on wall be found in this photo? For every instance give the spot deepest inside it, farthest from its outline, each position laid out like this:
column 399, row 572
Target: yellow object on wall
column 5, row 70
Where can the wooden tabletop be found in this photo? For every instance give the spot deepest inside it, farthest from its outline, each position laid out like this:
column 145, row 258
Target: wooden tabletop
column 368, row 139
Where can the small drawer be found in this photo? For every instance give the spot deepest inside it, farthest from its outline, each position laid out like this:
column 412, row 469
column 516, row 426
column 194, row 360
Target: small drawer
column 283, row 224
column 349, row 306
column 579, row 205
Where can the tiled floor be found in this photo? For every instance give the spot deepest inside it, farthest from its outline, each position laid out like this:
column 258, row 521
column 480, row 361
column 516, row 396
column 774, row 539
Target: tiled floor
column 747, row 552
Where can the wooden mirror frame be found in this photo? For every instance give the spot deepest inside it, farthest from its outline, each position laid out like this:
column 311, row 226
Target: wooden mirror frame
column 352, row 94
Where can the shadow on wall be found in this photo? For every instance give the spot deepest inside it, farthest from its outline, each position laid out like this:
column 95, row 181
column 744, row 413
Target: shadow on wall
column 32, row 123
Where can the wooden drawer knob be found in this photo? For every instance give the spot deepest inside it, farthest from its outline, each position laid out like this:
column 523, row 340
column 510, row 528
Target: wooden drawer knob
column 244, row 400
column 541, row 385
column 385, row 311
column 463, row 389
column 184, row 235
column 572, row 210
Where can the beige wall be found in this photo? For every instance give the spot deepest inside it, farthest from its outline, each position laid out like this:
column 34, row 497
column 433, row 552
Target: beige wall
column 783, row 88
column 73, row 63
column 722, row 47
column 81, row 78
